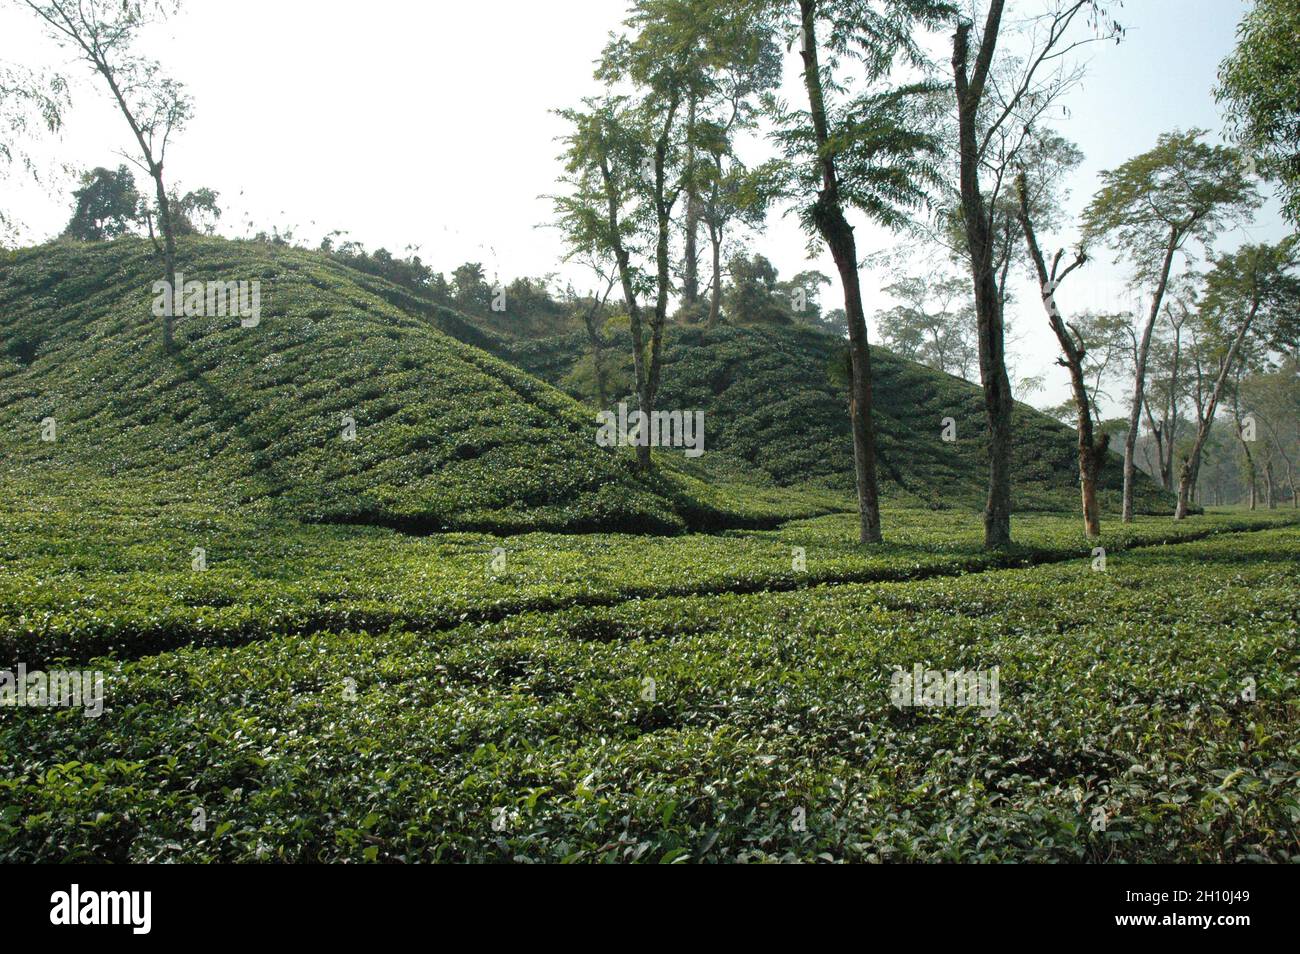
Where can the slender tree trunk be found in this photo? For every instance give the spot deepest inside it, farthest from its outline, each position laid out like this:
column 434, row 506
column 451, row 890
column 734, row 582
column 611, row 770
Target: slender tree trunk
column 1251, row 477
column 1269, row 500
column 1140, row 374
column 623, row 260
column 1192, row 463
column 715, row 293
column 1167, row 465
column 169, row 254
column 1091, row 452
column 597, row 351
column 663, row 214
column 829, row 217
column 647, row 367
column 155, row 167
column 691, row 265
column 1252, row 481
column 998, row 401
column 1158, row 432
column 864, row 442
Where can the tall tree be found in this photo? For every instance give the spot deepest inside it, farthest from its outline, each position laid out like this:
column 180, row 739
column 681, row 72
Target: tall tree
column 998, row 117
column 1259, row 84
column 1150, row 208
column 1167, row 383
column 1092, row 451
column 1252, row 289
column 730, row 194
column 732, row 61
column 623, row 172
column 871, row 152
column 711, row 60
column 103, row 34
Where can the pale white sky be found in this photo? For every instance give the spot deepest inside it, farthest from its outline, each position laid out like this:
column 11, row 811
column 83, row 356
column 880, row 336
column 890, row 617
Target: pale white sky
column 428, row 124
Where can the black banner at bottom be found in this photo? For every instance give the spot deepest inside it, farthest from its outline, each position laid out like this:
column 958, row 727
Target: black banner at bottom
column 140, row 904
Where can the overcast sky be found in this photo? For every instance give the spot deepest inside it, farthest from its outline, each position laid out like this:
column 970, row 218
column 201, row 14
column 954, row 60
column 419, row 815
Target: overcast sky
column 428, row 124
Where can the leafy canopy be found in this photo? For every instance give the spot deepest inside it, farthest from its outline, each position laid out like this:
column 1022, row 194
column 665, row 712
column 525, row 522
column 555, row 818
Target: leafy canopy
column 1180, row 190
column 1259, row 84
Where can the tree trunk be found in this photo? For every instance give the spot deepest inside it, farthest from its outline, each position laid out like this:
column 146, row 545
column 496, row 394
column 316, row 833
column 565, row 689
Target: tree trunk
column 155, row 167
column 839, row 236
column 1140, row 374
column 690, row 270
column 989, row 319
column 647, row 375
column 1158, row 432
column 597, row 352
column 1252, row 482
column 645, row 400
column 1091, row 453
column 828, row 215
column 1192, row 463
column 169, row 254
column 715, row 294
column 1269, row 500
column 1091, row 456
column 1167, row 465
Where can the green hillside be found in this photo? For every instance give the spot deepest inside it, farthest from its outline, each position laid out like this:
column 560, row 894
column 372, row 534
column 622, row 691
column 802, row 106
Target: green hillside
column 456, row 427
column 771, row 399
column 446, row 436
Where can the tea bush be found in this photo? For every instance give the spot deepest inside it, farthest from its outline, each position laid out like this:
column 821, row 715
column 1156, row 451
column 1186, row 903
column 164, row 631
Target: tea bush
column 1123, row 731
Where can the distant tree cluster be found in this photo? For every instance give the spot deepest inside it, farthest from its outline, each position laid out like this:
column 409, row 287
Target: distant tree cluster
column 108, row 205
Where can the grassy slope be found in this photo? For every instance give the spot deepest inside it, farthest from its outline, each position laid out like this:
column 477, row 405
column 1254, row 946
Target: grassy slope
column 448, row 437
column 769, row 399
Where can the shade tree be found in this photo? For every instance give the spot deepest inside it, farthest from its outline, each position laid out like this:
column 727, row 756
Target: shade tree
column 103, row 34
column 1254, row 290
column 1150, row 209
column 1002, row 95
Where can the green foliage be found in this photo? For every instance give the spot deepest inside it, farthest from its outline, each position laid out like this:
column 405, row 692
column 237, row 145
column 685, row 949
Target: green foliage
column 934, row 325
column 196, row 212
column 1257, row 283
column 886, row 159
column 754, row 296
column 107, row 205
column 1120, row 691
column 768, row 401
column 1182, row 189
column 447, row 436
column 748, row 298
column 1260, row 85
